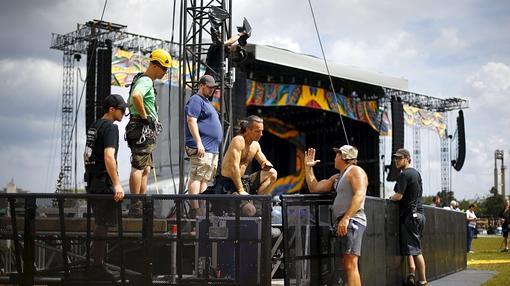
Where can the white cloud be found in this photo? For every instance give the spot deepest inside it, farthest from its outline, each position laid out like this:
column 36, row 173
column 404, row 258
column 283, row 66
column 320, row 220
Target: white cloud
column 21, row 77
column 449, row 39
column 493, row 79
column 390, row 50
column 281, row 42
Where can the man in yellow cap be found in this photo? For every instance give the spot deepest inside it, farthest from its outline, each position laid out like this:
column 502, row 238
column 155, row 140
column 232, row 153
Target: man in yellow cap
column 144, row 126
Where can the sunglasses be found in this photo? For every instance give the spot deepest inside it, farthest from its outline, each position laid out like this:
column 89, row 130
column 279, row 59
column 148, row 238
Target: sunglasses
column 164, row 69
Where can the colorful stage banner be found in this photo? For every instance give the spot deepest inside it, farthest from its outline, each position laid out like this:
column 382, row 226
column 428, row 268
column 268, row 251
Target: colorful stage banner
column 274, row 94
column 294, row 182
column 427, row 119
column 126, row 64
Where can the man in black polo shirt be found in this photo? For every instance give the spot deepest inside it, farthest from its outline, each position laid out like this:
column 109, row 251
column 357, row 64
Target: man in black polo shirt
column 408, row 192
column 101, row 175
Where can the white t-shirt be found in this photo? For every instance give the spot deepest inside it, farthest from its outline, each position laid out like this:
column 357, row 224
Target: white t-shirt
column 471, row 215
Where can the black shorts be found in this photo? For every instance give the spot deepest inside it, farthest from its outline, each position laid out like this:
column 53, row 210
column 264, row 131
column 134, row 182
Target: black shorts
column 223, row 186
column 505, row 232
column 411, row 230
column 105, row 211
column 253, row 181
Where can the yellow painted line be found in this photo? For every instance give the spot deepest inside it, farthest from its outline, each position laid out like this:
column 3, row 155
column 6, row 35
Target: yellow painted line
column 492, row 261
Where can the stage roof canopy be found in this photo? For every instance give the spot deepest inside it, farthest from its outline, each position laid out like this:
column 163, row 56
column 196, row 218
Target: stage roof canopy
column 288, row 58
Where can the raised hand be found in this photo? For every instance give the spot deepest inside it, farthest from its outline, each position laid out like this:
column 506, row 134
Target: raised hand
column 310, row 158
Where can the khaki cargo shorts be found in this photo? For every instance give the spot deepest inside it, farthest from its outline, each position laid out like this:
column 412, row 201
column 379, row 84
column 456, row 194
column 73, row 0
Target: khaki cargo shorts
column 141, row 157
column 202, row 169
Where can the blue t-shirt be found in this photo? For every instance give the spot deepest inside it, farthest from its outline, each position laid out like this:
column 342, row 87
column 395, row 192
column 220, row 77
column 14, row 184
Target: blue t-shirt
column 209, row 125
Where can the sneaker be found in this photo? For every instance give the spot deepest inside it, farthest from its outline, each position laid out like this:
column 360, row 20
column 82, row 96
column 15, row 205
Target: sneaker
column 422, row 283
column 504, row 250
column 471, row 251
column 411, row 281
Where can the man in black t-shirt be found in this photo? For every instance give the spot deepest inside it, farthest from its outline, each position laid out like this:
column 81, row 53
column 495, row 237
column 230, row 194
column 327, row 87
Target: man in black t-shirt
column 101, row 174
column 408, row 192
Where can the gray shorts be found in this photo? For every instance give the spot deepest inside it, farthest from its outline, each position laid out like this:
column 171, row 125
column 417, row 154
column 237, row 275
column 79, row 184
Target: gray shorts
column 351, row 242
column 411, row 230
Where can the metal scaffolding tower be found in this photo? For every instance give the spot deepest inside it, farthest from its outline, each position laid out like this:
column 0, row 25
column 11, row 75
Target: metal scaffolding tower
column 195, row 38
column 78, row 42
column 428, row 102
column 500, row 187
column 437, row 105
column 417, row 148
column 445, row 159
column 65, row 177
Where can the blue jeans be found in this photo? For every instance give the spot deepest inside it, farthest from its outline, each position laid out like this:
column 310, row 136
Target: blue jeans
column 470, row 234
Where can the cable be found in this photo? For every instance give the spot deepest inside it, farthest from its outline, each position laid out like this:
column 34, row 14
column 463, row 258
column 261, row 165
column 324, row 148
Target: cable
column 54, row 146
column 329, row 74
column 169, row 106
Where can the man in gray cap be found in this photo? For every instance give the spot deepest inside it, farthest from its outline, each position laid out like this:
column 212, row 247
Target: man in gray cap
column 408, row 192
column 348, row 208
column 204, row 135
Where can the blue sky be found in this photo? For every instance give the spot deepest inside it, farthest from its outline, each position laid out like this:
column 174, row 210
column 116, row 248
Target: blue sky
column 457, row 49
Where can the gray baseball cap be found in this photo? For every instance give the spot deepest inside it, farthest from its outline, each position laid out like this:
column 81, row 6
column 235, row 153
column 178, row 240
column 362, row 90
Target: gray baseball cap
column 208, row 81
column 402, row 153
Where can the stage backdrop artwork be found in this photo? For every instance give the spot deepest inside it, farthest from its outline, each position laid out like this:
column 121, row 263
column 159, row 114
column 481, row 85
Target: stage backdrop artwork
column 126, row 64
column 415, row 116
column 275, row 94
column 294, row 182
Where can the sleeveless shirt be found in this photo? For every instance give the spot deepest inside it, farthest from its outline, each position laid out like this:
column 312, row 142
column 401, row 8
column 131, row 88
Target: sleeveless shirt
column 344, row 197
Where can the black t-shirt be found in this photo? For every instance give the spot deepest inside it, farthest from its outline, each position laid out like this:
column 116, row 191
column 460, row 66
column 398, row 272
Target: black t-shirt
column 107, row 135
column 214, row 60
column 409, row 184
column 506, row 218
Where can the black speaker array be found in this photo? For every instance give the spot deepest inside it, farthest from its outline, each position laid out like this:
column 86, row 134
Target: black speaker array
column 90, row 96
column 397, row 134
column 99, row 72
column 461, row 141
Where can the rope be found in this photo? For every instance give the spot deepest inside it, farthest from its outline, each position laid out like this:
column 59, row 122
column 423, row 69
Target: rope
column 327, row 69
column 59, row 180
column 155, row 180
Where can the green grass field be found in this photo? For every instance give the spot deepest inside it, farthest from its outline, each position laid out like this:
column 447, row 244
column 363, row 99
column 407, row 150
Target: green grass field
column 487, row 256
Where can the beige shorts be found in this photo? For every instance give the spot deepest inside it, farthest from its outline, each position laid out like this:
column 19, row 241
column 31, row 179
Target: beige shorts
column 202, row 169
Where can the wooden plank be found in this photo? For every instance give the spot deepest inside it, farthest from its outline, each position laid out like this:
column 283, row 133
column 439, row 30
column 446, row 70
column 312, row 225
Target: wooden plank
column 80, row 224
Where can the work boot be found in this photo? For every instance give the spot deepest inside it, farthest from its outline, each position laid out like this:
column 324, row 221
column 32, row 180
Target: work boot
column 411, row 280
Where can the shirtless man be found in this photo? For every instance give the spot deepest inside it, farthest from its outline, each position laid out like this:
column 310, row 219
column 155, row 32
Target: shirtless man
column 241, row 151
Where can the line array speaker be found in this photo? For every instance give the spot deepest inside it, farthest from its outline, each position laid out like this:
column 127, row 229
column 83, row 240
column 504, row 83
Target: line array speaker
column 397, row 134
column 461, row 141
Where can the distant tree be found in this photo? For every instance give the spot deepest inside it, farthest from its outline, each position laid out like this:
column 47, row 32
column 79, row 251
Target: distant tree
column 427, row 200
column 492, row 205
column 464, row 204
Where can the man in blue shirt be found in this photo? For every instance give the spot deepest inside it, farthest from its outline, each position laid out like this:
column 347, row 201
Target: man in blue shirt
column 204, row 135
